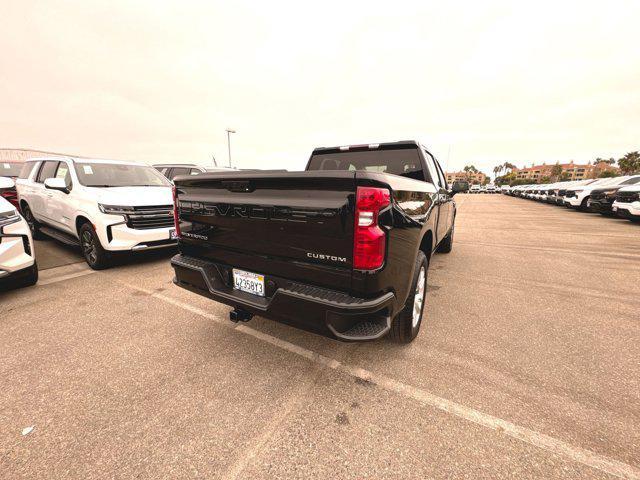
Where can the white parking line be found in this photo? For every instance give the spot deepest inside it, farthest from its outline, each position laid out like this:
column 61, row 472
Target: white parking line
column 540, row 440
column 62, row 278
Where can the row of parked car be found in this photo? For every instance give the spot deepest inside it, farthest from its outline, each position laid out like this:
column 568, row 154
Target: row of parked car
column 489, row 188
column 102, row 207
column 608, row 196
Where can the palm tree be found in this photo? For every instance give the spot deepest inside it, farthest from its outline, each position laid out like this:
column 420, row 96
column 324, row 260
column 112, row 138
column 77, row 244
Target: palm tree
column 556, row 171
column 508, row 166
column 470, row 170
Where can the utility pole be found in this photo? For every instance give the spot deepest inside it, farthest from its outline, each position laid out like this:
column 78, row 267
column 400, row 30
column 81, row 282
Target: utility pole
column 229, row 132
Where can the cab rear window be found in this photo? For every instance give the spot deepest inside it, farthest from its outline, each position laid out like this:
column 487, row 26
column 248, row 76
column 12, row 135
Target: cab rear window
column 404, row 162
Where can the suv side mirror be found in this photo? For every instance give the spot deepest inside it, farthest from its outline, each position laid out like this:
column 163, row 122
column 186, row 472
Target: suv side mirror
column 56, row 184
column 6, row 182
column 459, row 187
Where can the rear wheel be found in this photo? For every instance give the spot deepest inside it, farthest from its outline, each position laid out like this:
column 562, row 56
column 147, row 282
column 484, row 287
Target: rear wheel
column 96, row 256
column 406, row 324
column 33, row 224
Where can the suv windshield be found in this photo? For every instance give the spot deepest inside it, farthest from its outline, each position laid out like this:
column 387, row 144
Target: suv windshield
column 631, row 181
column 404, row 162
column 119, row 175
column 10, row 169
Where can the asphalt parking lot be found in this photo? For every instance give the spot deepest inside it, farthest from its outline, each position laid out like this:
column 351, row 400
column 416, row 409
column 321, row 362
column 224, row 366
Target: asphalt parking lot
column 527, row 366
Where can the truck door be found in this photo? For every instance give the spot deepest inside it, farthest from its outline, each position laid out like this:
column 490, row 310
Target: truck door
column 448, row 199
column 440, row 209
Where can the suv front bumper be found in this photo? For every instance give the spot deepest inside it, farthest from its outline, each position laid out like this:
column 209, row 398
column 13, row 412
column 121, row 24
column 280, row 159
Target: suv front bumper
column 119, row 237
column 326, row 312
column 629, row 210
column 16, row 249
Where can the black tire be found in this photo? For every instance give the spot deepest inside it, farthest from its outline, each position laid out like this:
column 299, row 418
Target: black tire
column 583, row 205
column 95, row 256
column 403, row 327
column 33, row 224
column 446, row 245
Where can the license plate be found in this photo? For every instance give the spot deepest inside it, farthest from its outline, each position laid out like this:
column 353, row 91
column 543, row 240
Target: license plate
column 248, row 282
column 172, row 234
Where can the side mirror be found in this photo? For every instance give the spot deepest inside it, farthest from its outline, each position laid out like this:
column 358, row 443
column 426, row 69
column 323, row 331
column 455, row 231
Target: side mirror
column 459, row 187
column 56, row 184
column 6, row 182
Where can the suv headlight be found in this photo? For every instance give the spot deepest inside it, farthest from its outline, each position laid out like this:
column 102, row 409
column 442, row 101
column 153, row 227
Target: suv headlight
column 7, row 218
column 115, row 209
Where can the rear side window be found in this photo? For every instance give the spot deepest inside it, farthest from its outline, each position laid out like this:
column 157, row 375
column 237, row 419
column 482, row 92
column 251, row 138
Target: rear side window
column 194, row 171
column 48, row 170
column 433, row 171
column 443, row 178
column 179, row 171
column 403, row 162
column 26, row 170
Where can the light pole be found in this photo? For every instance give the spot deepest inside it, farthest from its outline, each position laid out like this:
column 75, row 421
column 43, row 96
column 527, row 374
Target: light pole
column 229, row 132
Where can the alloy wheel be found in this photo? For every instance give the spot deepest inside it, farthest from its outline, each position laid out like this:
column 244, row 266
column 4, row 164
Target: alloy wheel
column 28, row 217
column 418, row 299
column 88, row 247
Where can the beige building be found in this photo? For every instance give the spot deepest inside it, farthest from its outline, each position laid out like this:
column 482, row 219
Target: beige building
column 464, row 176
column 572, row 171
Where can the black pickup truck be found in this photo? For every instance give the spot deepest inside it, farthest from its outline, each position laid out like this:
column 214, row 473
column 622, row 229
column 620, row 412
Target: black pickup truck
column 341, row 249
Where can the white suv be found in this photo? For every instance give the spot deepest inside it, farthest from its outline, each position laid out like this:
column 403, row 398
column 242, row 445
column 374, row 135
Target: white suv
column 17, row 259
column 101, row 206
column 578, row 197
column 627, row 202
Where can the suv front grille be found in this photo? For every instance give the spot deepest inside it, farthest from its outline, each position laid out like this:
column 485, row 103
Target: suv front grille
column 628, row 197
column 146, row 218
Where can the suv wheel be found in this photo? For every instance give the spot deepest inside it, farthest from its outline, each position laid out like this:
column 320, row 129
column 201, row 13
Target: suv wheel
column 584, row 205
column 33, row 224
column 96, row 256
column 406, row 325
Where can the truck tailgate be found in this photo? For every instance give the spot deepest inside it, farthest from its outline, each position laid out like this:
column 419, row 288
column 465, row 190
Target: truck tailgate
column 298, row 225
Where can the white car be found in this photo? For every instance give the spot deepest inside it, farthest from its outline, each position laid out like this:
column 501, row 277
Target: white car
column 578, row 197
column 474, row 189
column 627, row 202
column 18, row 266
column 102, row 206
column 490, row 188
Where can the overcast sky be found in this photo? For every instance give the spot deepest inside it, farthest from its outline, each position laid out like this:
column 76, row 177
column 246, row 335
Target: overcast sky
column 479, row 82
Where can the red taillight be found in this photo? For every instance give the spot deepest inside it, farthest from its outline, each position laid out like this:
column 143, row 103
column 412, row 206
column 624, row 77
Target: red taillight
column 176, row 217
column 369, row 240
